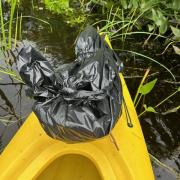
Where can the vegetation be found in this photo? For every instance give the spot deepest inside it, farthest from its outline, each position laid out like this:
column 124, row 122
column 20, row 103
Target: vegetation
column 155, row 18
column 60, row 7
column 145, row 89
column 10, row 33
column 7, row 38
column 72, row 16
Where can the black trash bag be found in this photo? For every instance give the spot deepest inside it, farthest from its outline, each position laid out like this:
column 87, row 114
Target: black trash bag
column 79, row 101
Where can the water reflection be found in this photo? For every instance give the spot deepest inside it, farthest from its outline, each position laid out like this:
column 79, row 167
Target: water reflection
column 13, row 110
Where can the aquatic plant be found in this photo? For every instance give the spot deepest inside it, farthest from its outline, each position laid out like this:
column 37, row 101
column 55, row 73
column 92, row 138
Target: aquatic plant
column 6, row 36
column 144, row 89
column 153, row 109
column 150, row 59
column 72, row 16
column 10, row 72
column 155, row 18
column 58, row 6
column 10, row 33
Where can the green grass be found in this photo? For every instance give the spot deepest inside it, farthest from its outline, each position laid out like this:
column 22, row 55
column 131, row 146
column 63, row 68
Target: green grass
column 151, row 59
column 151, row 18
column 3, row 38
column 7, row 36
column 11, row 73
column 13, row 6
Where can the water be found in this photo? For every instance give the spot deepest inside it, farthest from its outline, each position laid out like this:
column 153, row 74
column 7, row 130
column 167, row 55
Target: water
column 161, row 131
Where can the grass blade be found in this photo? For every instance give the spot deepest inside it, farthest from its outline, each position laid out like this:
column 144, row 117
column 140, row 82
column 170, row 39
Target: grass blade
column 142, row 81
column 13, row 5
column 2, row 25
column 151, row 59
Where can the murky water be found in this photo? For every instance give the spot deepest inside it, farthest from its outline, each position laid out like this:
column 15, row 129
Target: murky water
column 161, row 131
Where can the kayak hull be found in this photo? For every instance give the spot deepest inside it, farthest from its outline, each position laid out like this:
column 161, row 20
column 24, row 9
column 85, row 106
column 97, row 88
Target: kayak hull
column 122, row 155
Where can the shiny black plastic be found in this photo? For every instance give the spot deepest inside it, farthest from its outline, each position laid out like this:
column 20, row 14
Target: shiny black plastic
column 81, row 100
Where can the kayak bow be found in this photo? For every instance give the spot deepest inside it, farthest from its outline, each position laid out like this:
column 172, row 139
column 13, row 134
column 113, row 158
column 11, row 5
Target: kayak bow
column 32, row 154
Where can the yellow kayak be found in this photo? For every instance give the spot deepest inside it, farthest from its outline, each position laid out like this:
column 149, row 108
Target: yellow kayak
column 122, row 155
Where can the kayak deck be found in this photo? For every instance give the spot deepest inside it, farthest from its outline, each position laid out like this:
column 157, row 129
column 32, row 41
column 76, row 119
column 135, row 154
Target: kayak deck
column 32, row 154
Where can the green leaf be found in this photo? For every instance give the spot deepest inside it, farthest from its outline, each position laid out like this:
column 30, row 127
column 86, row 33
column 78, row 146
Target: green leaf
column 149, row 109
column 160, row 20
column 177, row 50
column 145, row 89
column 162, row 23
column 146, row 5
column 58, row 6
column 133, row 4
column 178, row 89
column 154, row 15
column 176, row 4
column 100, row 2
column 129, row 5
column 163, row 28
column 124, row 4
column 150, row 27
column 175, row 31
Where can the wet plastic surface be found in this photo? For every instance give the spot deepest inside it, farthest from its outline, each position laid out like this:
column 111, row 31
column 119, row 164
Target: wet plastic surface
column 79, row 101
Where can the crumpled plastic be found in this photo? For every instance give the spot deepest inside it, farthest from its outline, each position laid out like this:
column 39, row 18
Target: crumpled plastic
column 79, row 101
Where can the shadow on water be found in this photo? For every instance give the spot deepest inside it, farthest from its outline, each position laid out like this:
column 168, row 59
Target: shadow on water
column 161, row 131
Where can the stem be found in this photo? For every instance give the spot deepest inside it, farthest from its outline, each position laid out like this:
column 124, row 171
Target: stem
column 122, row 38
column 127, row 29
column 143, row 101
column 147, row 57
column 138, row 101
column 20, row 27
column 142, row 113
column 16, row 31
column 140, row 32
column 165, row 99
column 13, row 5
column 2, row 25
column 160, row 102
column 159, row 163
column 142, row 81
